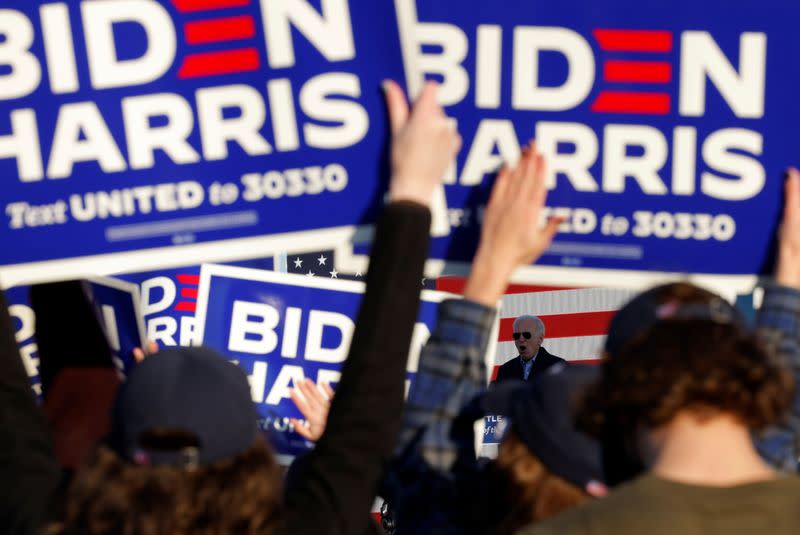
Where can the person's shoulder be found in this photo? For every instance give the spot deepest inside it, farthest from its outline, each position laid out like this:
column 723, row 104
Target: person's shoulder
column 504, row 371
column 611, row 514
column 555, row 359
column 787, row 485
column 509, row 368
column 507, row 364
column 663, row 504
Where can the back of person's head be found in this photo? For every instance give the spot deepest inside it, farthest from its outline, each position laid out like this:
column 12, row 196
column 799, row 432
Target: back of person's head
column 545, row 464
column 111, row 495
column 184, row 456
column 678, row 348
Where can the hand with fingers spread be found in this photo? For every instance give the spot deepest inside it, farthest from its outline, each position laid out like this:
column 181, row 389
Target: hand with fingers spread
column 787, row 271
column 313, row 402
column 424, row 142
column 511, row 233
column 139, row 353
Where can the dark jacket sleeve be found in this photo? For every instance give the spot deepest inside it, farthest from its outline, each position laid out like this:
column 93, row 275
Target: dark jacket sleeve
column 340, row 476
column 29, row 473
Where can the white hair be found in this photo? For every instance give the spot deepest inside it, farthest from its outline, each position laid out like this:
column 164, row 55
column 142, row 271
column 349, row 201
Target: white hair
column 539, row 323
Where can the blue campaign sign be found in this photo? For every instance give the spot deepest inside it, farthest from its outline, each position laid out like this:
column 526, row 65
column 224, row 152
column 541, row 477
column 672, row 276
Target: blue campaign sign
column 667, row 125
column 129, row 125
column 281, row 328
column 493, row 429
column 135, row 130
column 116, row 304
column 24, row 323
column 169, row 299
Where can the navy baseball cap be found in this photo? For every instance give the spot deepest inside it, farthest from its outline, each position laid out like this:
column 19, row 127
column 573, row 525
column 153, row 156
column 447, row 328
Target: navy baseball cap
column 542, row 415
column 192, row 390
column 647, row 309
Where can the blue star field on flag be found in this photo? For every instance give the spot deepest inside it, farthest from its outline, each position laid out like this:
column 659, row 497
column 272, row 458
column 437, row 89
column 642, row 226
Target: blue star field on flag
column 317, row 264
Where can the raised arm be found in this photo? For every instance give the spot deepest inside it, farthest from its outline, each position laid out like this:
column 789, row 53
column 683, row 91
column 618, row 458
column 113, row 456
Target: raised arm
column 451, row 367
column 334, row 490
column 779, row 326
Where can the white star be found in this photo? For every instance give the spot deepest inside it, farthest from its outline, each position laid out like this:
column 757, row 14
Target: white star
column 321, row 260
column 334, row 274
column 358, row 274
column 423, row 281
column 298, row 263
column 310, row 273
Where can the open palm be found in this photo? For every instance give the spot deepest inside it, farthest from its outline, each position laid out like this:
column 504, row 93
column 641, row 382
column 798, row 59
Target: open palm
column 313, row 402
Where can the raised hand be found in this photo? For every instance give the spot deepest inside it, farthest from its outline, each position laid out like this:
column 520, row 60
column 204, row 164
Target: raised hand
column 511, row 233
column 314, row 404
column 424, row 142
column 787, row 271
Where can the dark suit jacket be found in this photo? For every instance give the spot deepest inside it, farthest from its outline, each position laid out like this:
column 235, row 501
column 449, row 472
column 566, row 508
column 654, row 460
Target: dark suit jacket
column 513, row 368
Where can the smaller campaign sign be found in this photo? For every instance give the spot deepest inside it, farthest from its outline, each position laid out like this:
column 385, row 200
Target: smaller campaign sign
column 494, row 428
column 116, row 304
column 282, row 328
column 169, row 299
column 24, row 323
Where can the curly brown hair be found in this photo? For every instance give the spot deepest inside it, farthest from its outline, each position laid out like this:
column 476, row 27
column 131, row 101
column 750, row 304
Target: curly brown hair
column 533, row 493
column 699, row 365
column 110, row 495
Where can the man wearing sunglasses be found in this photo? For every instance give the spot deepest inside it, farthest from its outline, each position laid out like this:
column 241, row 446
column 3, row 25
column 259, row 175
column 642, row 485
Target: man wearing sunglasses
column 533, row 359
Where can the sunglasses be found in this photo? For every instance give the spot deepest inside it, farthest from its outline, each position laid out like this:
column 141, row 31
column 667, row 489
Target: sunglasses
column 525, row 335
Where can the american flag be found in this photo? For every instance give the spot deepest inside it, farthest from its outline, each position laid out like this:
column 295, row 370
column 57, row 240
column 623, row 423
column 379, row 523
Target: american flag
column 318, row 264
column 323, row 264
column 575, row 319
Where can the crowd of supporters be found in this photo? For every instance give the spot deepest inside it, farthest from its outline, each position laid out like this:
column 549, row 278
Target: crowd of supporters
column 689, row 425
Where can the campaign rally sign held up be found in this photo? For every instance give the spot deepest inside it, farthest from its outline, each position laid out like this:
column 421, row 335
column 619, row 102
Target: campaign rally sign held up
column 24, row 323
column 169, row 300
column 116, row 304
column 134, row 125
column 282, row 328
column 667, row 125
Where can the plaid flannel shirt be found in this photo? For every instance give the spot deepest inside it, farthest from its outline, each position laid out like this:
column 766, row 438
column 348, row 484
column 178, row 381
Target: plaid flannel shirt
column 451, row 373
column 778, row 325
column 434, row 477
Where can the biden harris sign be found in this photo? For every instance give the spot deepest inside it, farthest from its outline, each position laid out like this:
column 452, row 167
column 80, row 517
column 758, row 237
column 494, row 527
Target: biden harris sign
column 139, row 129
column 135, row 124
column 667, row 125
column 664, row 123
column 282, row 328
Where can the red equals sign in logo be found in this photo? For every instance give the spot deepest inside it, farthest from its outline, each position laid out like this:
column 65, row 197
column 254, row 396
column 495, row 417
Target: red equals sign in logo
column 188, row 286
column 217, row 30
column 634, row 71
